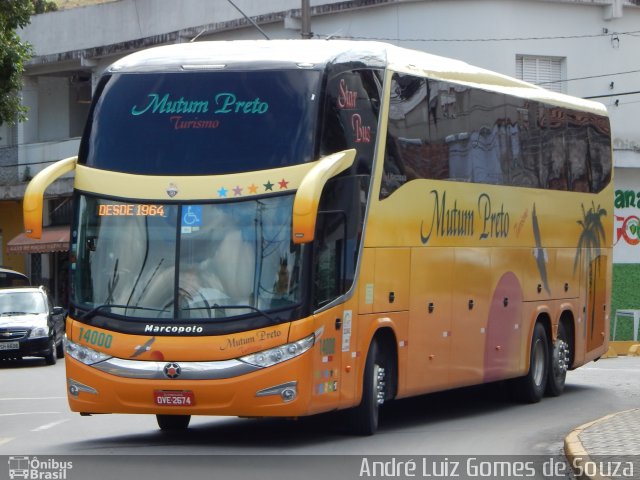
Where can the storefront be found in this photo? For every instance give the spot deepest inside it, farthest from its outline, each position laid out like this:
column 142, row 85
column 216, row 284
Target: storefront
column 48, row 259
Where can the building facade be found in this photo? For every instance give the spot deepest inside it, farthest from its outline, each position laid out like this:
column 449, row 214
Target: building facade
column 586, row 48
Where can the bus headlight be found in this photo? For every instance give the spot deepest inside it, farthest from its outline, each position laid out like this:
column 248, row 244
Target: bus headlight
column 266, row 358
column 83, row 354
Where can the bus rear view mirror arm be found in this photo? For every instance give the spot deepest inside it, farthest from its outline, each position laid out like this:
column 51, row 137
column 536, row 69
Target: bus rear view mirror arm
column 307, row 199
column 34, row 194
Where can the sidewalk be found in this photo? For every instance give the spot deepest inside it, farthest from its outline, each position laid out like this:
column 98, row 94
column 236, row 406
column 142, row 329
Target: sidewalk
column 607, row 447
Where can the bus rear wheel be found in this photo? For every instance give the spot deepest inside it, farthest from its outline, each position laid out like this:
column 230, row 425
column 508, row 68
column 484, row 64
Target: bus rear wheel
column 560, row 361
column 531, row 387
column 173, row 422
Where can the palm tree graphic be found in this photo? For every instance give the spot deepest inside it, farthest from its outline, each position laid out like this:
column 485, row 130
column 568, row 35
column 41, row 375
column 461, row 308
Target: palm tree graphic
column 589, row 244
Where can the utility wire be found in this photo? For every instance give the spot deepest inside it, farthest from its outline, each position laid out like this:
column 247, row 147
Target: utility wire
column 630, row 33
column 589, row 77
column 250, row 20
column 504, row 39
column 613, row 95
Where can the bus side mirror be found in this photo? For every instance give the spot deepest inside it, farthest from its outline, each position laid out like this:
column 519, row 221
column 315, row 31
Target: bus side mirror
column 33, row 196
column 307, row 199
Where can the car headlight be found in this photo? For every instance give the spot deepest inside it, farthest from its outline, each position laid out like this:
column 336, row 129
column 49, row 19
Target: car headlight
column 266, row 358
column 39, row 332
column 83, row 354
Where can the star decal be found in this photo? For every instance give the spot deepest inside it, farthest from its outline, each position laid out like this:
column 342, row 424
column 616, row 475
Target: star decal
column 252, row 189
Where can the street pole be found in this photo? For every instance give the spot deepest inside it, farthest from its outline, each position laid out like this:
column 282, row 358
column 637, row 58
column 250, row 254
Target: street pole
column 306, row 20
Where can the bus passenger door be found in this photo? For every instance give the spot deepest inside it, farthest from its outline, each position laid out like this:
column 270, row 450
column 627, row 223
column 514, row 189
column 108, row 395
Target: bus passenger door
column 327, row 381
column 334, row 251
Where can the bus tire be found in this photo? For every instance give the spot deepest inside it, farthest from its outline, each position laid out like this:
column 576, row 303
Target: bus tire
column 365, row 417
column 531, row 387
column 173, row 422
column 560, row 359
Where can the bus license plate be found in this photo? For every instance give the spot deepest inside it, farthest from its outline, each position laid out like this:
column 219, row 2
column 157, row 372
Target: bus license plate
column 9, row 345
column 174, row 398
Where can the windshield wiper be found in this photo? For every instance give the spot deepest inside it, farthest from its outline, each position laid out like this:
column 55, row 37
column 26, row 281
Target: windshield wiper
column 94, row 311
column 12, row 313
column 215, row 306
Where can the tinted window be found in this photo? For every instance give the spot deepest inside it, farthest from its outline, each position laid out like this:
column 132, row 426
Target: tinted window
column 445, row 131
column 349, row 120
column 194, row 123
column 350, row 116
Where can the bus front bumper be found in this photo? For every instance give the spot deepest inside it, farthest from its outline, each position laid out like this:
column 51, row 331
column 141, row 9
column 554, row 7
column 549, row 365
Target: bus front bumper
column 275, row 391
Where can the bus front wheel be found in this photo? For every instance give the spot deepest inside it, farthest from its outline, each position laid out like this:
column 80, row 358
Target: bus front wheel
column 365, row 416
column 531, row 387
column 173, row 422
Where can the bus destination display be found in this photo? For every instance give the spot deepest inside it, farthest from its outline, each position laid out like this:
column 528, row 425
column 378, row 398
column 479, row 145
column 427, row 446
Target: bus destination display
column 130, row 210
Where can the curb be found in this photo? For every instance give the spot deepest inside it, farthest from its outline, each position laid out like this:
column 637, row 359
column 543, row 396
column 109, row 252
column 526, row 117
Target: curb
column 622, row 347
column 577, row 455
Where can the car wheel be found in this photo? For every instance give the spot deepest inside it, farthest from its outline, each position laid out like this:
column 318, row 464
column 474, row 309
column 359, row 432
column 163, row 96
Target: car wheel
column 60, row 349
column 50, row 358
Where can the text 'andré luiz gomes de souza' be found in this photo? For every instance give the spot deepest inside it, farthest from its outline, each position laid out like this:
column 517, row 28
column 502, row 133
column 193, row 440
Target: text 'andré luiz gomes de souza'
column 477, row 467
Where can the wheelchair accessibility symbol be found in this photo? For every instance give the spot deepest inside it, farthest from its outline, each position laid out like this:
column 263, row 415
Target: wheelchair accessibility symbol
column 192, row 216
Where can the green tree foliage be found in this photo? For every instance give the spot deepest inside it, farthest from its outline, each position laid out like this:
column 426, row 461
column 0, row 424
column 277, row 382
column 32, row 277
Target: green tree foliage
column 14, row 53
column 43, row 6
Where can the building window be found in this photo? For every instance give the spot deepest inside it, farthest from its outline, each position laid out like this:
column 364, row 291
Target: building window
column 36, row 269
column 61, row 211
column 544, row 71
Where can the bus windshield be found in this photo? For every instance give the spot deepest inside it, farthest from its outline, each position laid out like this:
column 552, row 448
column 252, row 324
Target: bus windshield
column 170, row 261
column 202, row 123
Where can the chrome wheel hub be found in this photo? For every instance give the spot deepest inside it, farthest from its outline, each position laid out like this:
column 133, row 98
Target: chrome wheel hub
column 561, row 357
column 379, row 383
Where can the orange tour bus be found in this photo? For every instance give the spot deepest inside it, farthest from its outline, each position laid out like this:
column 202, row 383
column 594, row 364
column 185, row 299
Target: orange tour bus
column 285, row 228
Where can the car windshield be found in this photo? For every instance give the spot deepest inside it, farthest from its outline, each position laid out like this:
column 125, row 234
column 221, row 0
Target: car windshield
column 21, row 303
column 204, row 261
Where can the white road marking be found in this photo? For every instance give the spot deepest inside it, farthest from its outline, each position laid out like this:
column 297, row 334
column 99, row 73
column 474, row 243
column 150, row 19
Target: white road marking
column 5, row 440
column 28, row 413
column 30, row 398
column 50, row 425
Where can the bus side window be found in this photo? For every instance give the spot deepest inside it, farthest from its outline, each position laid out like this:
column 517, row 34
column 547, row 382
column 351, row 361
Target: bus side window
column 350, row 115
column 406, row 137
column 338, row 234
column 329, row 257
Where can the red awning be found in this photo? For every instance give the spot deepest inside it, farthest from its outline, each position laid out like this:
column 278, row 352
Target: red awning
column 54, row 239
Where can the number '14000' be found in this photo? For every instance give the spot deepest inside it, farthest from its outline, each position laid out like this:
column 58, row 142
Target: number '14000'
column 93, row 337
